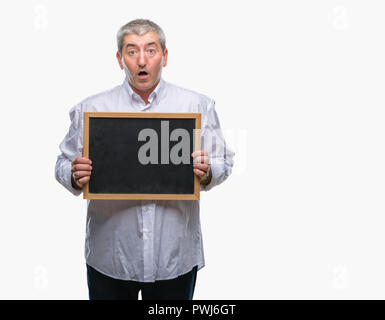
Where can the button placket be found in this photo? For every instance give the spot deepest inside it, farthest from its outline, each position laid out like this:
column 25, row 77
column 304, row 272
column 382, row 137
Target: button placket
column 148, row 246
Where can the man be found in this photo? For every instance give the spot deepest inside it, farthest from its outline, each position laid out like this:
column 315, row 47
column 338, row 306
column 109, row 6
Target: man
column 132, row 245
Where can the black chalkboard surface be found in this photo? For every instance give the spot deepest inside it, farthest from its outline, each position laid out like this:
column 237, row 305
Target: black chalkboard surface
column 141, row 155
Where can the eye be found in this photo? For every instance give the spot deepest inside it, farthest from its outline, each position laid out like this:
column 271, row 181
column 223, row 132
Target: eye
column 151, row 52
column 132, row 52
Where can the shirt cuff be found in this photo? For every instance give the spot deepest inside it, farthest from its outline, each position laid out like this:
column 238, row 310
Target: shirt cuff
column 215, row 173
column 66, row 176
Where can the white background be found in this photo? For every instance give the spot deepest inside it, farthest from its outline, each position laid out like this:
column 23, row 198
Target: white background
column 299, row 87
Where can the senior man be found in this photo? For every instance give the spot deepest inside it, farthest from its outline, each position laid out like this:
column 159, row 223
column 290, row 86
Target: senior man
column 141, row 245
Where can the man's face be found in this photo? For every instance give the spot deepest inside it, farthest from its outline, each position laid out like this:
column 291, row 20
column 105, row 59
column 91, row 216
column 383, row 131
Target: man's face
column 143, row 60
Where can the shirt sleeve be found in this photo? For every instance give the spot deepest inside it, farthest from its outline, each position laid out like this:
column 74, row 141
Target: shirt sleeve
column 71, row 147
column 213, row 141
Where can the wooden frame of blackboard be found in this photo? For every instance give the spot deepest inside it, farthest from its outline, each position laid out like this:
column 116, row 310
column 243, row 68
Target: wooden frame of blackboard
column 139, row 196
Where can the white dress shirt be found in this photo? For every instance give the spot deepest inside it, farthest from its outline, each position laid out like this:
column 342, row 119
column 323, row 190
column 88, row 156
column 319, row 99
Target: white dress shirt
column 154, row 239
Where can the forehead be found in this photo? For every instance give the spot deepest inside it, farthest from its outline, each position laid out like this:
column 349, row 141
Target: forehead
column 141, row 41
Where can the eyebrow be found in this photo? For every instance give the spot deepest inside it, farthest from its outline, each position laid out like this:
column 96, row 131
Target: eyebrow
column 133, row 45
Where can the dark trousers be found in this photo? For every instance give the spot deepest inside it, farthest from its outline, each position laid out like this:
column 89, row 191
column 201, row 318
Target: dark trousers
column 102, row 287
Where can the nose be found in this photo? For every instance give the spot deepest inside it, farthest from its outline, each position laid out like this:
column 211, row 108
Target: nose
column 142, row 59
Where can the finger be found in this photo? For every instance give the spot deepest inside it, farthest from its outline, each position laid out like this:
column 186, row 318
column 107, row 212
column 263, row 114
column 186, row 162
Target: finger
column 84, row 180
column 201, row 166
column 200, row 159
column 81, row 167
column 199, row 153
column 199, row 173
column 80, row 174
column 82, row 160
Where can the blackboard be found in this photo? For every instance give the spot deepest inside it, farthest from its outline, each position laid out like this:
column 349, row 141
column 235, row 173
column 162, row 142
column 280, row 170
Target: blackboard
column 141, row 155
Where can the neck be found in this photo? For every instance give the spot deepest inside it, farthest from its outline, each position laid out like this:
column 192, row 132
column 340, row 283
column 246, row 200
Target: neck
column 144, row 94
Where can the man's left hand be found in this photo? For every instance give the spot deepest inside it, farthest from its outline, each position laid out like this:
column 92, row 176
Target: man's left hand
column 202, row 168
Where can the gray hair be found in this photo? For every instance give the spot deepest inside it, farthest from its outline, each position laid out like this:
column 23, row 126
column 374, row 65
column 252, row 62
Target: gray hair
column 140, row 27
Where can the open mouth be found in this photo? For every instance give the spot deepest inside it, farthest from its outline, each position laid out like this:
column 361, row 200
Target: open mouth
column 142, row 75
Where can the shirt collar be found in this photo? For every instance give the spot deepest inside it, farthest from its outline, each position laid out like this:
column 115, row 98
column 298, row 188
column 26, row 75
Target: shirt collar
column 155, row 94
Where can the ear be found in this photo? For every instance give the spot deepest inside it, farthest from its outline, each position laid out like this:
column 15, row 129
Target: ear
column 165, row 57
column 119, row 60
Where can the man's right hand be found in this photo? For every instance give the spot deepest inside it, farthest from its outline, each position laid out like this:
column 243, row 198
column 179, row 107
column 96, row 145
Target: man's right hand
column 80, row 172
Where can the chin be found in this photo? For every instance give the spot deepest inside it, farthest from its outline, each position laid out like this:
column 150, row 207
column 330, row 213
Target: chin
column 144, row 87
